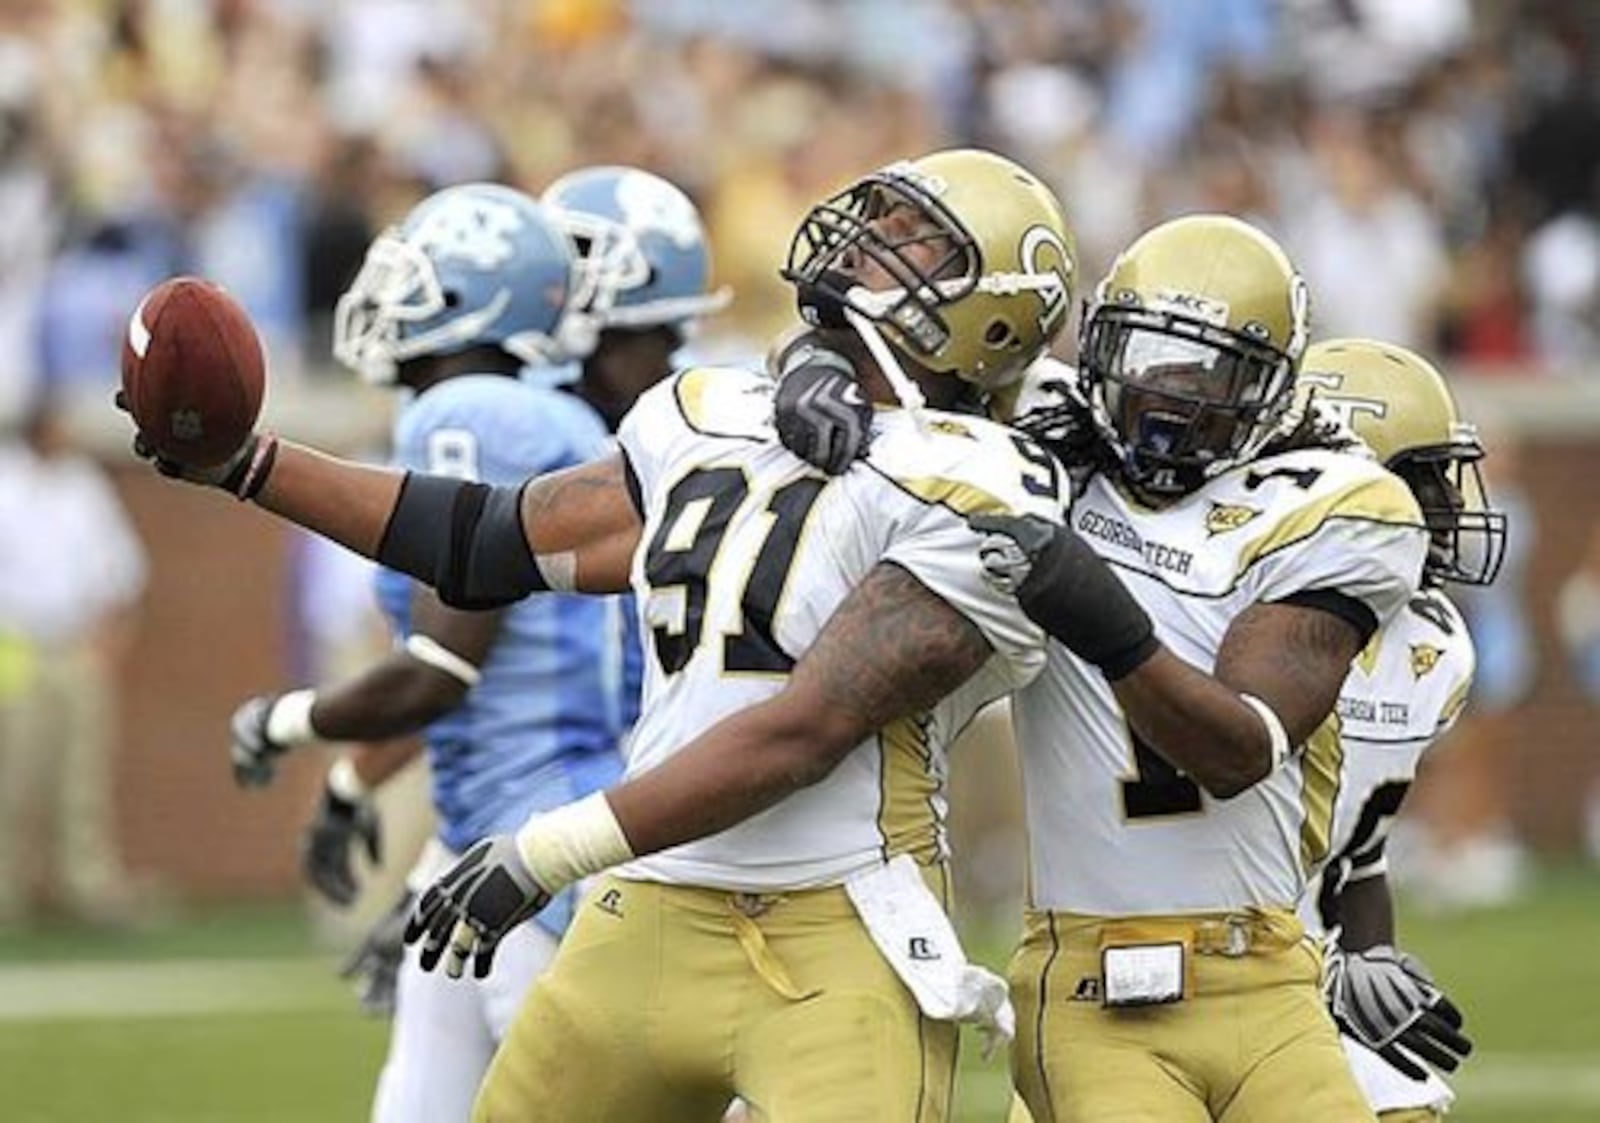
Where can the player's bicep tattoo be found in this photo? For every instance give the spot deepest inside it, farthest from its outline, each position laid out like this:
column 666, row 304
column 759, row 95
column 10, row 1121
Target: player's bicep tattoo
column 577, row 507
column 893, row 648
column 1293, row 657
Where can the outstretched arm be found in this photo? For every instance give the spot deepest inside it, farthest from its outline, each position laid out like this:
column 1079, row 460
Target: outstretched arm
column 479, row 546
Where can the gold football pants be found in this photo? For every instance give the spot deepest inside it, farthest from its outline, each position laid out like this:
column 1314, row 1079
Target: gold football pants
column 1250, row 1042
column 666, row 1001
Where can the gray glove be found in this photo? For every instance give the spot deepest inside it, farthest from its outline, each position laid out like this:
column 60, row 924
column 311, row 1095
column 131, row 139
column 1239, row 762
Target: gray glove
column 255, row 754
column 325, row 849
column 819, row 411
column 473, row 905
column 1388, row 1001
column 375, row 965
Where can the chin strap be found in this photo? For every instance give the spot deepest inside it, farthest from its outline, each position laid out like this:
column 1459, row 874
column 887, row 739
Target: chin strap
column 900, row 382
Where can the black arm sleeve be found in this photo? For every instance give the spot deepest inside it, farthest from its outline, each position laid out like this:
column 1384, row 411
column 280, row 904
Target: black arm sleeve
column 463, row 539
column 1072, row 594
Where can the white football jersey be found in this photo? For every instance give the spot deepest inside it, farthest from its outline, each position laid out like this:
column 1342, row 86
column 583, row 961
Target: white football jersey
column 1113, row 828
column 1404, row 691
column 746, row 553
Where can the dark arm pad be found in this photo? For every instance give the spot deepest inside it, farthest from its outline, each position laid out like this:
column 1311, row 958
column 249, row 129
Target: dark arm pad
column 1072, row 594
column 482, row 562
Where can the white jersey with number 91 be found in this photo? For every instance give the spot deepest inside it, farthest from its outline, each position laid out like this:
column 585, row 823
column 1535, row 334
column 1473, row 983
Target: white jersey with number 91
column 746, row 553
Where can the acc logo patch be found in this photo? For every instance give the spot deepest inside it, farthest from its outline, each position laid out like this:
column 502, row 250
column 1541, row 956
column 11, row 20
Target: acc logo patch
column 1224, row 517
column 1424, row 658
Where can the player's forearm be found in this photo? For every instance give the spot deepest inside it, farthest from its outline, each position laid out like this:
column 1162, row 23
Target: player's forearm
column 1199, row 725
column 738, row 768
column 393, row 698
column 339, row 499
column 1366, row 913
column 375, row 762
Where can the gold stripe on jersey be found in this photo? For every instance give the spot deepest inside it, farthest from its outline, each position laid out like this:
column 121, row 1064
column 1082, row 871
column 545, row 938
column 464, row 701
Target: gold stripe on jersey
column 962, row 498
column 1321, row 766
column 907, row 785
column 691, row 392
column 1381, row 499
column 1453, row 704
column 1368, row 659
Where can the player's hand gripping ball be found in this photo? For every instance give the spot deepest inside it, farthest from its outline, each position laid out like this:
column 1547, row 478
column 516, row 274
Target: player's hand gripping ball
column 192, row 373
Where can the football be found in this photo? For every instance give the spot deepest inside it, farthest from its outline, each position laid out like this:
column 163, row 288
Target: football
column 192, row 371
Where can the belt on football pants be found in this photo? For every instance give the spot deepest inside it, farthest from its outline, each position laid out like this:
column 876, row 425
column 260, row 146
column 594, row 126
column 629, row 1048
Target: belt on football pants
column 1249, row 931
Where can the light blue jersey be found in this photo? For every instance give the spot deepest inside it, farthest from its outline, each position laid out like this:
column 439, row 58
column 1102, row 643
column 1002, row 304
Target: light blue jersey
column 560, row 688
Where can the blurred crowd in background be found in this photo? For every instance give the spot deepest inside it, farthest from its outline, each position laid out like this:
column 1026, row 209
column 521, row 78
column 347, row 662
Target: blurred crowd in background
column 1432, row 165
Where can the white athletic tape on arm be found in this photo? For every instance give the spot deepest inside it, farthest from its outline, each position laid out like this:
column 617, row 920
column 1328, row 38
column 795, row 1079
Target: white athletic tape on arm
column 573, row 842
column 560, row 571
column 1275, row 731
column 426, row 649
column 289, row 720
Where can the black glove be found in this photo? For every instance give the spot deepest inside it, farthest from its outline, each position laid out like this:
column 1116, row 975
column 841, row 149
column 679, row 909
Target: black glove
column 375, row 964
column 1389, row 1002
column 1067, row 589
column 473, row 905
column 241, row 475
column 819, row 411
column 254, row 753
column 325, row 848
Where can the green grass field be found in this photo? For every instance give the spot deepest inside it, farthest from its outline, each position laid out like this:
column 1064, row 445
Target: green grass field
column 235, row 1017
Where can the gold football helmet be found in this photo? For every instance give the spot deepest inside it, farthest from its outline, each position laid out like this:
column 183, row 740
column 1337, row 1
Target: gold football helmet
column 962, row 259
column 1398, row 403
column 1189, row 350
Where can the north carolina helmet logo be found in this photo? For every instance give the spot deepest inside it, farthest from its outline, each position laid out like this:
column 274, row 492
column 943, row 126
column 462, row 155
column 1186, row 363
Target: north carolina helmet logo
column 1424, row 658
column 648, row 206
column 1224, row 517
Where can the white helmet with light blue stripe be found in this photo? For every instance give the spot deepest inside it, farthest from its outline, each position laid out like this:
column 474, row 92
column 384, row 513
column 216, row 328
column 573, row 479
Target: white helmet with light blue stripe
column 474, row 265
column 642, row 259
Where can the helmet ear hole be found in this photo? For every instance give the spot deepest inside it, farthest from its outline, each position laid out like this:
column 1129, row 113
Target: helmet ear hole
column 999, row 334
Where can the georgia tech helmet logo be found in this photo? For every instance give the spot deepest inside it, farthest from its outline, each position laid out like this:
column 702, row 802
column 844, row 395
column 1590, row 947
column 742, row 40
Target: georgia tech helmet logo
column 1424, row 658
column 1057, row 266
column 1342, row 407
column 1223, row 517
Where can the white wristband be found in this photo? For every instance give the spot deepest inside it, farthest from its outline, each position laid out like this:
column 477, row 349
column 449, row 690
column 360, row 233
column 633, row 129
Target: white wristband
column 573, row 842
column 346, row 783
column 426, row 649
column 1276, row 734
column 289, row 720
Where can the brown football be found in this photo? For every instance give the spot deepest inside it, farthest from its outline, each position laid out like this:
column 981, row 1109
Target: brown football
column 192, row 371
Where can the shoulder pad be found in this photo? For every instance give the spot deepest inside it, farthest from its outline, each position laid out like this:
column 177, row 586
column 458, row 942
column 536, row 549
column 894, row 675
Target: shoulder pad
column 969, row 464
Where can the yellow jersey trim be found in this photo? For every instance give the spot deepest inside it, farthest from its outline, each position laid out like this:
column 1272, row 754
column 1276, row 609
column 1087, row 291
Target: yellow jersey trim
column 907, row 819
column 1321, row 766
column 1381, row 499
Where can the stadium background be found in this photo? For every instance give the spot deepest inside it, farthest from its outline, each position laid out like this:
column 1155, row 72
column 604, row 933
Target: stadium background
column 1431, row 164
